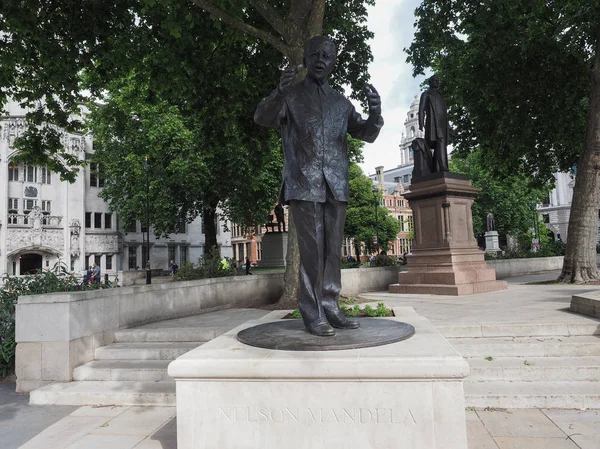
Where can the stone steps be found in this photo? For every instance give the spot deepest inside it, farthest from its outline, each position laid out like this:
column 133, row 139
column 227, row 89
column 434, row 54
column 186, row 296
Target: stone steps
column 145, row 350
column 528, row 346
column 105, row 393
column 169, row 334
column 499, row 394
column 517, row 330
column 535, row 369
column 124, row 370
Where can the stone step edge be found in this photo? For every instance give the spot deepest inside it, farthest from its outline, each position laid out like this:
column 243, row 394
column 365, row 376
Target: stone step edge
column 518, row 330
column 105, row 393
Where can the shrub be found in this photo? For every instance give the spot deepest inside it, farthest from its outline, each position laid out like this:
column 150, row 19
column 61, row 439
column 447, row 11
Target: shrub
column 383, row 260
column 210, row 265
column 350, row 265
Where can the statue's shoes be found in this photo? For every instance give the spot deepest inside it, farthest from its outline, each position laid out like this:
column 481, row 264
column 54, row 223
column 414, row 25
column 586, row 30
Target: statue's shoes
column 321, row 329
column 340, row 321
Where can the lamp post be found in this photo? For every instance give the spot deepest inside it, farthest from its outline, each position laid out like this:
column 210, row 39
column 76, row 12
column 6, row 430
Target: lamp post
column 375, row 194
column 148, row 272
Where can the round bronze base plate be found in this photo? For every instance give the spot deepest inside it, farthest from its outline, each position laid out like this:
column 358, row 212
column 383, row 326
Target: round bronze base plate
column 291, row 335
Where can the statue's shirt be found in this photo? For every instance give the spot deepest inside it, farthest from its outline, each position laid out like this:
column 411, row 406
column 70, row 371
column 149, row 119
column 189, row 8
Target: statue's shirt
column 315, row 121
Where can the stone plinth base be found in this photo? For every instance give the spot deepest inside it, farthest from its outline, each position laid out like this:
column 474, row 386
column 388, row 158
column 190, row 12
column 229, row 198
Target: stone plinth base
column 274, row 249
column 586, row 303
column 445, row 259
column 491, row 242
column 403, row 395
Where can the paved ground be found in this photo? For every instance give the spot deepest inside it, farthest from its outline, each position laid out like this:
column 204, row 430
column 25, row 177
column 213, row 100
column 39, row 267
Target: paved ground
column 155, row 427
column 19, row 421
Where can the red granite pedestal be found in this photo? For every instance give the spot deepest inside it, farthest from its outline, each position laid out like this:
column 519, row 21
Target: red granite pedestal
column 445, row 258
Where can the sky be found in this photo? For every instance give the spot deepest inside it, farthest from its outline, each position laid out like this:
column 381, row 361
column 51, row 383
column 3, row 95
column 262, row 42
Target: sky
column 392, row 21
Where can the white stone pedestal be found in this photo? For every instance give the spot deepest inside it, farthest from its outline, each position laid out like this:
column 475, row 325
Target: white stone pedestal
column 404, row 395
column 274, row 249
column 491, row 242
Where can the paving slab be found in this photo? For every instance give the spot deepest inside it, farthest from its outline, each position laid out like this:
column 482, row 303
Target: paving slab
column 478, row 436
column 583, row 427
column 519, row 423
column 535, row 443
column 138, row 421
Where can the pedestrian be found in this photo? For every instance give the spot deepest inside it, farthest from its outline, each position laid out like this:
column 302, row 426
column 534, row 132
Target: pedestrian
column 96, row 274
column 248, row 264
column 174, row 267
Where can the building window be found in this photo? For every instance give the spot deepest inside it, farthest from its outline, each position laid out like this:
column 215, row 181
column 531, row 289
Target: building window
column 132, row 260
column 132, row 227
column 108, row 221
column 13, row 205
column 412, row 131
column 97, row 259
column 13, row 171
column 72, row 264
column 98, row 220
column 96, row 175
column 259, row 250
column 405, row 179
column 410, row 223
column 46, row 207
column 180, row 227
column 46, row 179
column 88, row 220
column 28, row 205
column 109, row 259
column 31, row 173
column 183, row 256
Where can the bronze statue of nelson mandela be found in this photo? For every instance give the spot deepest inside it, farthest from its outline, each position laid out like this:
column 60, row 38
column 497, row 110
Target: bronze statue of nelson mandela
column 315, row 121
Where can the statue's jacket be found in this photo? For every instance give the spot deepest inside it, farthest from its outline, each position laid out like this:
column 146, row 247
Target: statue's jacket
column 315, row 121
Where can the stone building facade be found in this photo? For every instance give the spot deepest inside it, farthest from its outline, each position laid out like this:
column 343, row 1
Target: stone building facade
column 44, row 220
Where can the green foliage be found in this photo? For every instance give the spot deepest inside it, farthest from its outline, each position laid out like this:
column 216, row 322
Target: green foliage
column 529, row 64
column 57, row 279
column 353, row 311
column 362, row 222
column 548, row 249
column 383, row 260
column 509, row 197
column 296, row 313
column 350, row 265
column 210, row 265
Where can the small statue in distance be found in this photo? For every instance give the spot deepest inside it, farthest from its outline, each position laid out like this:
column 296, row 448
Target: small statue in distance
column 490, row 225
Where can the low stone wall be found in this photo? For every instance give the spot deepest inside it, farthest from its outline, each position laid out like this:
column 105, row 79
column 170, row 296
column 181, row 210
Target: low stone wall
column 58, row 332
column 586, row 303
column 358, row 280
column 516, row 267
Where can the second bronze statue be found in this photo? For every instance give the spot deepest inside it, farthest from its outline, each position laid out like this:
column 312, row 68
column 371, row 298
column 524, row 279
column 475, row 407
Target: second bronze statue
column 315, row 120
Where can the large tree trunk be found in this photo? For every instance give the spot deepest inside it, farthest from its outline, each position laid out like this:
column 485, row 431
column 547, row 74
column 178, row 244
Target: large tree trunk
column 580, row 258
column 210, row 229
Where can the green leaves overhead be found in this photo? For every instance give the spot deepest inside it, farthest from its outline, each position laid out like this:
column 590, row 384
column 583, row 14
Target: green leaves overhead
column 515, row 75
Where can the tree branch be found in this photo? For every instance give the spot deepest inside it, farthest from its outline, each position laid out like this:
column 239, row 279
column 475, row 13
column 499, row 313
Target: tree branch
column 272, row 16
column 243, row 26
column 317, row 13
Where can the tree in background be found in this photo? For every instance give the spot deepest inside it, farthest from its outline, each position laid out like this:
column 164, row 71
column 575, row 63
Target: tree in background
column 522, row 81
column 362, row 223
column 508, row 197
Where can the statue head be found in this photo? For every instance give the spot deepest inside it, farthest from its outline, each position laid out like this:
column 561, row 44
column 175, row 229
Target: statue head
column 319, row 57
column 434, row 82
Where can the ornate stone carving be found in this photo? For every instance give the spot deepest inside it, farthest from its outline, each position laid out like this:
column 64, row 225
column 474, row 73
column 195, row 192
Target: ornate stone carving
column 30, row 192
column 19, row 238
column 13, row 127
column 99, row 244
column 75, row 228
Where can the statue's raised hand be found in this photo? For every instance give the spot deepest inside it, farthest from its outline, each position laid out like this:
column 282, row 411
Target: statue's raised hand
column 373, row 100
column 287, row 76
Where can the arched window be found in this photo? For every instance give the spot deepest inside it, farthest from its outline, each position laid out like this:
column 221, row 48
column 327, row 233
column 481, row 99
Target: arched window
column 13, row 171
column 412, row 131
